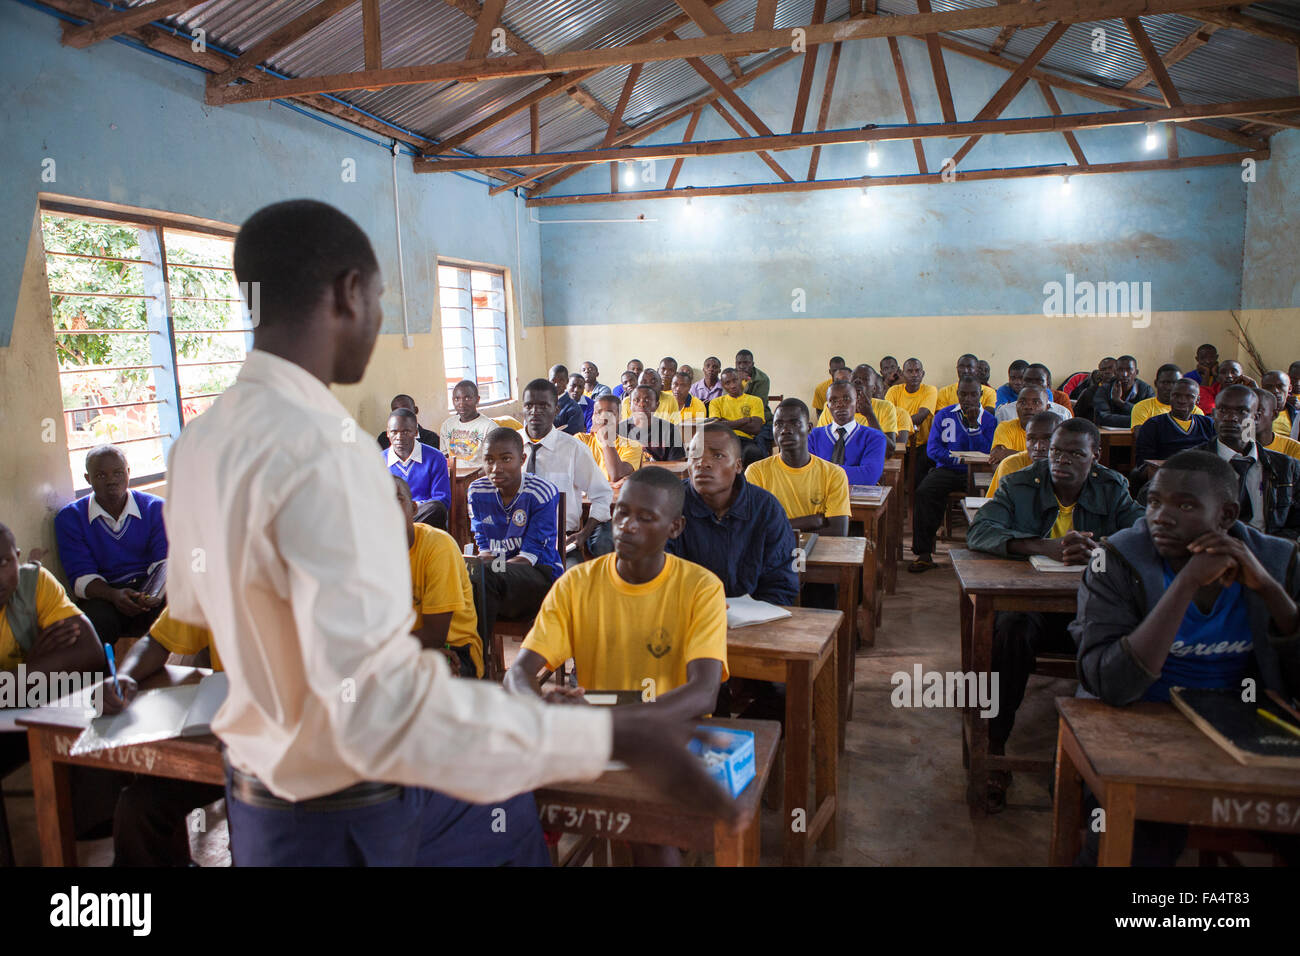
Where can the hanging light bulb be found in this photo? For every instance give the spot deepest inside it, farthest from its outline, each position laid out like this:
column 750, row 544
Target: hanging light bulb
column 629, row 177
column 1065, row 185
column 873, row 158
column 689, row 209
column 1152, row 140
column 865, row 198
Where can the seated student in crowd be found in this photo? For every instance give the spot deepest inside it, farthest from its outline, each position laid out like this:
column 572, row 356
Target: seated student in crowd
column 891, row 372
column 1292, row 404
column 1270, row 481
column 1038, row 438
column 667, row 405
column 1230, row 373
column 566, row 463
column 658, row 436
column 667, row 369
column 427, row 437
column 966, row 365
column 634, row 369
column 445, row 615
column 463, row 433
column 689, row 372
column 813, row 491
column 966, row 426
column 616, row 455
column 421, row 466
column 741, row 412
column 1189, row 596
column 1207, row 365
column 568, row 417
column 1085, row 395
column 1038, row 375
column 1279, row 383
column 514, row 514
column 1159, row 403
column 709, row 386
column 1270, row 439
column 918, row 401
column 600, row 613
column 1059, row 508
column 1009, row 436
column 1113, row 407
column 737, row 531
column 857, row 448
column 690, row 410
column 819, row 393
column 869, row 409
column 1168, row 433
column 573, row 400
column 1007, row 392
column 983, row 372
column 757, row 383
column 591, row 377
column 111, row 542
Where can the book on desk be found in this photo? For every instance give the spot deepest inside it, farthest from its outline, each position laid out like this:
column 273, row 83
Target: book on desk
column 1042, row 562
column 744, row 610
column 1264, row 734
column 161, row 714
column 867, row 494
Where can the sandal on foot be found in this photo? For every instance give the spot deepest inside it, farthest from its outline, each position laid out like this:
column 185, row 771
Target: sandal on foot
column 921, row 564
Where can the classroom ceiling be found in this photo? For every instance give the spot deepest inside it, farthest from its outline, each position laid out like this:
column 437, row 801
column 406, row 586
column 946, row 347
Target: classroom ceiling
column 1248, row 56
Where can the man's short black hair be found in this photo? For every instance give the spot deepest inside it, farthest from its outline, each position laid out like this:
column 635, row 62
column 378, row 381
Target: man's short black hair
column 648, row 388
column 466, row 383
column 1208, row 345
column 105, row 449
column 294, row 251
column 667, row 358
column 968, row 355
column 795, row 403
column 1043, row 418
column 1081, row 426
column 7, row 536
column 402, row 484
column 506, row 435
column 1264, row 395
column 610, row 399
column 837, row 358
column 972, row 379
column 661, row 479
column 404, row 413
column 717, row 428
column 1238, row 389
column 740, row 352
column 1169, row 367
column 1126, row 358
column 1223, row 479
column 1046, row 371
column 557, row 367
column 543, row 385
column 1108, row 358
column 402, row 398
column 1019, row 365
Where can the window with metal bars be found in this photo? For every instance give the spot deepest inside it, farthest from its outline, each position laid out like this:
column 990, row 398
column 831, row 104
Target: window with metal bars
column 149, row 328
column 475, row 334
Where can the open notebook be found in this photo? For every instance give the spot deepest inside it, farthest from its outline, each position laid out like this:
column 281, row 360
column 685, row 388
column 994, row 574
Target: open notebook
column 744, row 610
column 184, row 711
column 1042, row 562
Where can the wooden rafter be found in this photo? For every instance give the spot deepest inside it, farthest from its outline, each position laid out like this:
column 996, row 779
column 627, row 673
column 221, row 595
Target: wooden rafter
column 977, row 175
column 1193, row 41
column 1006, row 33
column 677, row 163
column 908, row 109
column 762, row 154
column 291, row 32
column 617, row 116
column 726, row 92
column 534, row 129
column 1070, row 139
column 1013, row 85
column 1236, row 20
column 487, row 21
column 806, row 74
column 938, row 68
column 1154, row 63
column 739, row 44
column 123, row 21
column 823, row 114
column 765, row 15
column 370, row 34
column 710, row 24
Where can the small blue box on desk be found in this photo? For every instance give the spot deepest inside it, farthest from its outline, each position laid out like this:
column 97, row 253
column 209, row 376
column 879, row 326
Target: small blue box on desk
column 731, row 763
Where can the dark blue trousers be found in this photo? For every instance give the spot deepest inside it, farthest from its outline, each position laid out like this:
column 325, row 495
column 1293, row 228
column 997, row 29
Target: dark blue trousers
column 418, row 828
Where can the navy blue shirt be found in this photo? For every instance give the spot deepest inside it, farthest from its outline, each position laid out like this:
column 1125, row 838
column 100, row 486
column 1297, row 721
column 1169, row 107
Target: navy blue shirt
column 751, row 548
column 569, row 417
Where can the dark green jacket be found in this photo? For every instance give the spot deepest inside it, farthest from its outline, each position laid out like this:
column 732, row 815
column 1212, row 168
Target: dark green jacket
column 1025, row 507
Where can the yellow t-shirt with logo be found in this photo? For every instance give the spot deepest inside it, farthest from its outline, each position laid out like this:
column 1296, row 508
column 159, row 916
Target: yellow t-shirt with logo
column 667, row 408
column 743, row 406
column 925, row 396
column 1150, row 408
column 1284, row 446
column 620, row 634
column 1009, row 435
column 630, row 451
column 948, row 396
column 1064, row 521
column 52, row 605
column 439, row 584
column 818, row 488
column 1005, row 467
column 885, row 413
column 184, row 639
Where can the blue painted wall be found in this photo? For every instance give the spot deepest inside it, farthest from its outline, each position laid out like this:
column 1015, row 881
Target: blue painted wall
column 1271, row 266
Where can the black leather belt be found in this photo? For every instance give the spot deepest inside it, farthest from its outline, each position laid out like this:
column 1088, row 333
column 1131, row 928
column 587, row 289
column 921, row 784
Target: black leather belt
column 247, row 789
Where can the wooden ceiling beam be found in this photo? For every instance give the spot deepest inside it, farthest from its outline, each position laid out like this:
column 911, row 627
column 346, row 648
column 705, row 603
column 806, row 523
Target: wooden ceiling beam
column 1234, row 19
column 1070, row 139
column 762, row 154
column 291, row 32
column 487, row 20
column 1154, row 63
column 806, row 74
column 938, row 68
column 905, row 91
column 115, row 22
column 1193, row 41
column 710, row 24
column 370, row 34
column 690, row 134
column 765, row 15
column 823, row 114
column 1006, row 33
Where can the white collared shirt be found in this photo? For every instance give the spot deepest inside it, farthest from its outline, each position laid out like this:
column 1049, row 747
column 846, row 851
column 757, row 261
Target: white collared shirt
column 848, row 429
column 300, row 569
column 1254, row 479
column 416, row 455
column 115, row 525
column 566, row 463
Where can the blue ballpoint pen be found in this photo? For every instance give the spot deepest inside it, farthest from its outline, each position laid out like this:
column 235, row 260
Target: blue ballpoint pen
column 112, row 668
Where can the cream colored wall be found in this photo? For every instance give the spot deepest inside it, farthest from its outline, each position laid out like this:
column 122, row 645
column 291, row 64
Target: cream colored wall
column 794, row 353
column 1275, row 332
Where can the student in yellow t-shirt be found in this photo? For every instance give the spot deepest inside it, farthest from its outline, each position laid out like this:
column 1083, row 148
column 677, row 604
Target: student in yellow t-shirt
column 1166, row 377
column 1038, row 438
column 39, row 625
column 741, row 412
column 617, row 456
column 1009, row 437
column 666, row 409
column 917, row 400
column 966, row 365
column 813, row 492
column 1279, row 383
column 691, row 410
column 819, row 393
column 445, row 618
column 1268, row 436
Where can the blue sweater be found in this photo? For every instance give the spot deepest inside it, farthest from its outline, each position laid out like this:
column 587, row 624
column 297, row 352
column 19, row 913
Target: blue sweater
column 864, row 452
column 427, row 477
column 1005, row 394
column 86, row 548
column 950, row 433
column 528, row 526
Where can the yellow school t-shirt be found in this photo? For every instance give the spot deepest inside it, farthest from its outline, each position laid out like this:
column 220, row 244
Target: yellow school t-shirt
column 1282, row 424
column 1009, row 435
column 697, row 409
column 620, row 634
column 912, row 402
column 1284, row 446
column 1064, row 521
column 667, row 408
column 184, row 639
column 507, row 421
column 818, row 488
column 440, row 583
column 819, row 395
column 885, row 413
column 52, row 605
column 743, row 406
column 948, row 396
column 826, row 418
column 1005, row 467
column 1150, row 408
column 630, row 451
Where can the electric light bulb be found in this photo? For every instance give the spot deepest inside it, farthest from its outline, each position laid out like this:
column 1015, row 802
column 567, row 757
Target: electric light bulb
column 1065, row 185
column 873, row 158
column 1152, row 140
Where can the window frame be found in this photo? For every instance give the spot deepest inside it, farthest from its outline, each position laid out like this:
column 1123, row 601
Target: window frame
column 508, row 311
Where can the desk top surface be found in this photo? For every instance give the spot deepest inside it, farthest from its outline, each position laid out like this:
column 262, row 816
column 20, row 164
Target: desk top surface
column 982, row 573
column 807, row 634
column 1153, row 743
column 77, row 718
column 676, row 467
column 829, row 550
column 874, row 501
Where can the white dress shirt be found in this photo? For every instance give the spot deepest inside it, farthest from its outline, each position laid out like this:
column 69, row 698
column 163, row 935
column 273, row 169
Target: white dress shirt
column 1254, row 479
column 566, row 463
column 1006, row 412
column 294, row 555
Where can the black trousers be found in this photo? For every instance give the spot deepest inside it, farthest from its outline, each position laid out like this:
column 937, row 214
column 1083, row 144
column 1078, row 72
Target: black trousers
column 150, row 825
column 110, row 623
column 927, row 509
column 1019, row 637
column 513, row 593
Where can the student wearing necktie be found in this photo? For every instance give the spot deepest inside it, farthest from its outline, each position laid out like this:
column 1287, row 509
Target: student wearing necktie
column 858, row 449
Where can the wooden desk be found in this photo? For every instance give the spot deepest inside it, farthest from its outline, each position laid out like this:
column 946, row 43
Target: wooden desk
column 843, row 562
column 878, row 561
column 799, row 651
column 970, row 512
column 676, row 467
column 897, row 476
column 1149, row 762
column 458, row 515
column 986, row 585
column 51, row 733
column 620, row 806
column 1114, row 438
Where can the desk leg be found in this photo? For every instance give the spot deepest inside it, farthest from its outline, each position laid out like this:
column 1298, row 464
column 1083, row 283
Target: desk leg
column 798, row 758
column 876, row 550
column 981, row 654
column 1121, row 813
column 881, row 560
column 826, row 720
column 847, row 593
column 53, row 797
column 737, row 849
column 1067, row 809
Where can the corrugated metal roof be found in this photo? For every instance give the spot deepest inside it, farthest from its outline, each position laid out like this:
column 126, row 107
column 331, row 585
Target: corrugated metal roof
column 1232, row 65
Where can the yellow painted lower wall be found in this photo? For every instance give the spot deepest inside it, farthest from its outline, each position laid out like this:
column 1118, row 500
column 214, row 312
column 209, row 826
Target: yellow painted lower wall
column 794, row 353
